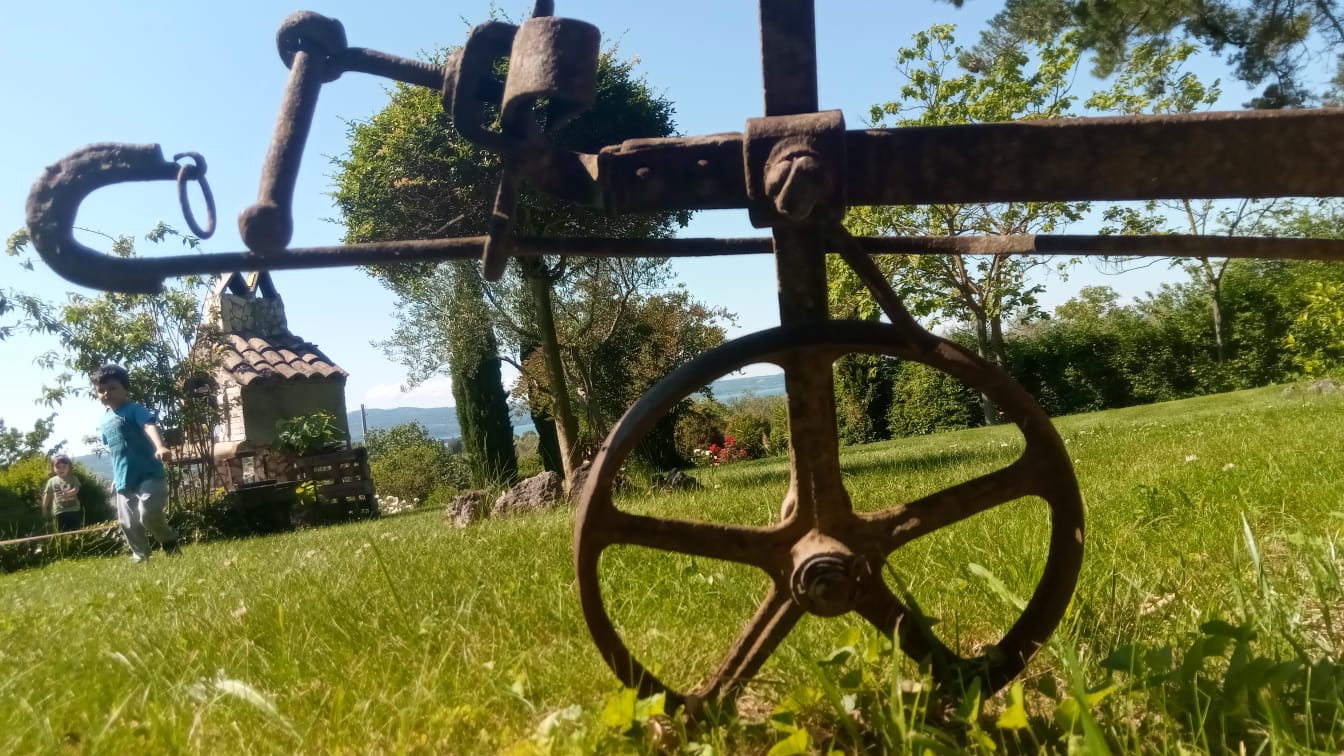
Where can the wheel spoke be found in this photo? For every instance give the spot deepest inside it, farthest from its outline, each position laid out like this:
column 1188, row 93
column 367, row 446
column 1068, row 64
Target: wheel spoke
column 908, row 628
column 898, row 526
column 772, row 622
column 757, row 547
column 818, row 495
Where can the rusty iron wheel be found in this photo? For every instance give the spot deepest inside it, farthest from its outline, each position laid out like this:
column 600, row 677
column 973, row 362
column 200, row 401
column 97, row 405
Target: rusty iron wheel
column 823, row 558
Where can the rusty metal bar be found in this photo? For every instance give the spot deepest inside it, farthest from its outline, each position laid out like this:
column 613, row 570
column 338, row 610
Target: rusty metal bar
column 1268, row 247
column 1203, row 155
column 375, row 63
column 145, row 275
column 1275, row 153
column 789, row 70
column 789, row 56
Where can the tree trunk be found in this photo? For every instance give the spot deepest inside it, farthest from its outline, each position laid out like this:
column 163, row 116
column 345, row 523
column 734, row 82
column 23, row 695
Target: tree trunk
column 996, row 344
column 1216, row 307
column 566, row 427
column 548, row 446
column 986, row 351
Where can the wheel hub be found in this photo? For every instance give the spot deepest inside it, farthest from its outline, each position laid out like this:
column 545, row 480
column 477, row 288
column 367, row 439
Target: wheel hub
column 824, row 584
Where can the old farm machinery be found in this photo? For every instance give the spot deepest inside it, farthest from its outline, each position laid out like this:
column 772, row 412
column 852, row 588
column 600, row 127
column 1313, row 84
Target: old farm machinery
column 795, row 170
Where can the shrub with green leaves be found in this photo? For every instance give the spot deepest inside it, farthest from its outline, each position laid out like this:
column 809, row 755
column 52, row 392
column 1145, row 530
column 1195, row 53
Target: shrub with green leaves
column 408, row 463
column 701, row 424
column 928, row 401
column 750, row 421
column 308, row 434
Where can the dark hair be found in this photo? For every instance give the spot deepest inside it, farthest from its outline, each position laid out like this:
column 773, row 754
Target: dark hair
column 112, row 372
column 57, row 459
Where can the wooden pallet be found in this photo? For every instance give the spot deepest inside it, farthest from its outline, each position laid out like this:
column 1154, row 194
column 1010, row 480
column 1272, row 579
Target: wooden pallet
column 343, row 483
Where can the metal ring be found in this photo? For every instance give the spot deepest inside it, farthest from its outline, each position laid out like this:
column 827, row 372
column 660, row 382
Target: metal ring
column 188, row 172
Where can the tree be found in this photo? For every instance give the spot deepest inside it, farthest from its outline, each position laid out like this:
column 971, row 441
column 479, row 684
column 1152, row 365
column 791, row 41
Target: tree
column 411, row 175
column 1267, row 42
column 864, row 383
column 21, row 312
column 160, row 339
column 1153, row 81
column 16, row 444
column 982, row 290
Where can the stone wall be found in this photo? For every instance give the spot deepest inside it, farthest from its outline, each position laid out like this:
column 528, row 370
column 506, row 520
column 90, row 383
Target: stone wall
column 261, row 315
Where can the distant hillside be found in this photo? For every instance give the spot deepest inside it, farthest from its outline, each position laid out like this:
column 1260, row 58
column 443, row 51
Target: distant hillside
column 100, row 466
column 441, row 422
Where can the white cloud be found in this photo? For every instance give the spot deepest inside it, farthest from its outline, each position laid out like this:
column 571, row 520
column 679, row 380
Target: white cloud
column 435, row 392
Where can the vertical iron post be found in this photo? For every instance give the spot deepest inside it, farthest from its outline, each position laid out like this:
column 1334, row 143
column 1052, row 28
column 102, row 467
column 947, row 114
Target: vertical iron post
column 789, row 67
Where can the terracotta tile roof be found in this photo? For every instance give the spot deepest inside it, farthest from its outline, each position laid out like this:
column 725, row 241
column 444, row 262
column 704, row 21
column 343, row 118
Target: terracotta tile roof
column 279, row 356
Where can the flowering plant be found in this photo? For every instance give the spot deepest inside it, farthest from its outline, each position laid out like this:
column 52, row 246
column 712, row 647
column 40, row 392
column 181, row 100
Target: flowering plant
column 722, row 454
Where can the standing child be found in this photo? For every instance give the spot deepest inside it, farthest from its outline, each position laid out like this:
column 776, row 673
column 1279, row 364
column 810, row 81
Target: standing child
column 61, row 496
column 131, row 435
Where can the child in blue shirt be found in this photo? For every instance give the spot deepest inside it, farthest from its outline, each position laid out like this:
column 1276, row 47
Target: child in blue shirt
column 131, row 435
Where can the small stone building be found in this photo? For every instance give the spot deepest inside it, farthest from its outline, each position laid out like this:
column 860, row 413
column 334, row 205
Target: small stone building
column 264, row 374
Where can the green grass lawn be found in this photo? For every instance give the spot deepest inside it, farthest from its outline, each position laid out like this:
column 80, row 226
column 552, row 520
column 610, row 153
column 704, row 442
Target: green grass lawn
column 1206, row 616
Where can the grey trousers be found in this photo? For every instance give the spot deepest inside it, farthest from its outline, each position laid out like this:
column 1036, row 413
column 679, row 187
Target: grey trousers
column 141, row 508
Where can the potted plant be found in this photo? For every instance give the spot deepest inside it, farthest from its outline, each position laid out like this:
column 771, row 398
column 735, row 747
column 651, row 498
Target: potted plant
column 309, row 434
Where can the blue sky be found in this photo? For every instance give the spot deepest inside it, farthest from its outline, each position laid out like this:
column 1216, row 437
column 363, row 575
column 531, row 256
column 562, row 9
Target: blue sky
column 205, row 77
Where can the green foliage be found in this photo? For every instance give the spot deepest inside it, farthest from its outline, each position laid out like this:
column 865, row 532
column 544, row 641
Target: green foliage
column 580, row 328
column 702, row 423
column 16, row 444
column 711, row 432
column 656, row 334
column 1316, row 337
column 750, row 422
column 307, row 434
column 527, row 448
column 864, row 396
column 1267, row 42
column 408, row 463
column 481, row 403
column 1096, row 353
column 928, row 401
column 21, row 486
column 988, row 290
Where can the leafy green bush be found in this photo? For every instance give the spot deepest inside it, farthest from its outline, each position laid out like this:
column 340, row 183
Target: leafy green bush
column 779, row 427
column 21, row 497
column 308, row 434
column 750, row 421
column 408, row 463
column 527, row 448
column 928, row 401
column 863, row 396
column 699, row 425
